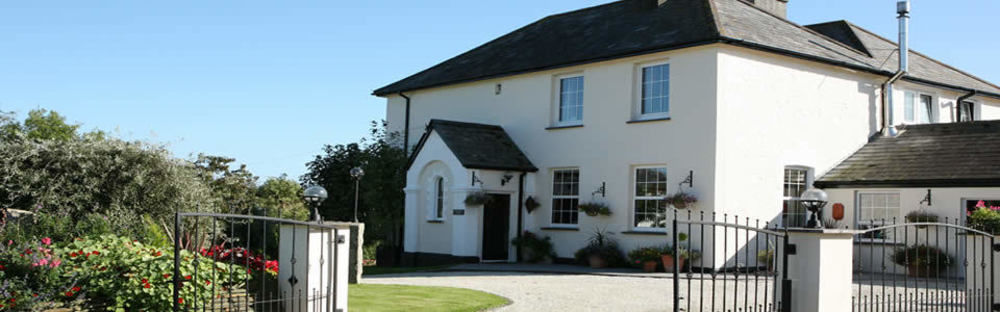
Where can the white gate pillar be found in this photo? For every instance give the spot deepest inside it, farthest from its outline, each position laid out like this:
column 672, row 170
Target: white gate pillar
column 316, row 258
column 820, row 269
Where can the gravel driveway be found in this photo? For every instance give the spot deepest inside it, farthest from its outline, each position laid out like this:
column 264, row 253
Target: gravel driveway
column 550, row 292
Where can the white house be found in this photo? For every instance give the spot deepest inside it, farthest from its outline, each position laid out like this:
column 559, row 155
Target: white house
column 626, row 102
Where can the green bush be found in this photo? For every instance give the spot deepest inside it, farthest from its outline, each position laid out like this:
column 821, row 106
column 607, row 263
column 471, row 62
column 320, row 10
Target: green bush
column 922, row 256
column 601, row 244
column 538, row 248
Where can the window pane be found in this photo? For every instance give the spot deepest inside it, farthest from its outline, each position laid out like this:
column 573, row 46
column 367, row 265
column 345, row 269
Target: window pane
column 656, row 89
column 571, row 99
column 565, row 199
column 908, row 98
column 927, row 107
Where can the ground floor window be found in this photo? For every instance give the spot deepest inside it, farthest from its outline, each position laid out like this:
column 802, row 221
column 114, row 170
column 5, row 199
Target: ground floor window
column 876, row 209
column 650, row 209
column 565, row 196
column 796, row 181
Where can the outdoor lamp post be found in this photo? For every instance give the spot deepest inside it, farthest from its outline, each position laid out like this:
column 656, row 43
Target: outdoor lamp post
column 315, row 195
column 356, row 173
column 814, row 200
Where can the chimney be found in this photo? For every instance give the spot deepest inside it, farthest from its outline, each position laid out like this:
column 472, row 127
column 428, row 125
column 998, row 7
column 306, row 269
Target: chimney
column 776, row 7
column 903, row 9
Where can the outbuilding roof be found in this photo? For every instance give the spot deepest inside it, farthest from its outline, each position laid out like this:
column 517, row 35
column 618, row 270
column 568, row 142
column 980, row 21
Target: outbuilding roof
column 634, row 27
column 933, row 155
column 477, row 146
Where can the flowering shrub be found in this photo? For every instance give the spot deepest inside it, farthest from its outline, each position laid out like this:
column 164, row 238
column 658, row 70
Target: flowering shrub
column 109, row 272
column 985, row 218
column 241, row 256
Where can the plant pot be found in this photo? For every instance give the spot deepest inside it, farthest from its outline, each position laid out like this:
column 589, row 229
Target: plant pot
column 649, row 266
column 668, row 263
column 592, row 214
column 597, row 262
column 680, row 205
column 921, row 271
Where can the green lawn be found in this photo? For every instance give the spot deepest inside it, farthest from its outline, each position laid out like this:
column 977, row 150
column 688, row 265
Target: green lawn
column 372, row 297
column 375, row 270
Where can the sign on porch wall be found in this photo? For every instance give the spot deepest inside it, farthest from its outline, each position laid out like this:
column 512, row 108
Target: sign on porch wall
column 458, row 212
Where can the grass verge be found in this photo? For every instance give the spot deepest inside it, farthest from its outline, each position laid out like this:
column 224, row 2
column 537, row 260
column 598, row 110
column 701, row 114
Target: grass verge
column 374, row 297
column 375, row 270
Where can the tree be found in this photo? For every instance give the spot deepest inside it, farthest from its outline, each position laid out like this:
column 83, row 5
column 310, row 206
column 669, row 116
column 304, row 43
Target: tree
column 282, row 198
column 381, row 193
column 234, row 190
column 43, row 125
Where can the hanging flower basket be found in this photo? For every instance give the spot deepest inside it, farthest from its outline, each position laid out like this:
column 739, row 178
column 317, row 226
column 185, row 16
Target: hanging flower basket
column 530, row 204
column 595, row 209
column 681, row 200
column 477, row 198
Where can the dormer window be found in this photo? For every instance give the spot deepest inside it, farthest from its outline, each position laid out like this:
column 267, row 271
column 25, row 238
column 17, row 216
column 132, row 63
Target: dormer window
column 918, row 108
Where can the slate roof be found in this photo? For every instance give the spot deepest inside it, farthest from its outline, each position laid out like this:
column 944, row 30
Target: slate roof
column 634, row 27
column 934, row 155
column 477, row 146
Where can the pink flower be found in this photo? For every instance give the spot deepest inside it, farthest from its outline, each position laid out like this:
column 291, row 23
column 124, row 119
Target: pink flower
column 981, row 204
column 47, row 241
column 55, row 263
column 42, row 262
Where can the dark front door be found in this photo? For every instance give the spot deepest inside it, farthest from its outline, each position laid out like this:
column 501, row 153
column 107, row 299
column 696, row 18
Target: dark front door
column 496, row 227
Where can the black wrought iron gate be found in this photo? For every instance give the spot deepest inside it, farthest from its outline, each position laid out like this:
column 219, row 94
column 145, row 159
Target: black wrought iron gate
column 728, row 263
column 939, row 266
column 227, row 262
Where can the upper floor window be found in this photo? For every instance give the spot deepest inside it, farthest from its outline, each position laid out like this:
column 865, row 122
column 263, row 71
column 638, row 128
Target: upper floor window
column 967, row 111
column 796, row 181
column 918, row 108
column 571, row 100
column 648, row 203
column 565, row 196
column 655, row 93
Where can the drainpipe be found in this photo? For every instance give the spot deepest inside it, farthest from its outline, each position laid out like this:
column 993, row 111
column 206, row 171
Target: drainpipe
column 520, row 207
column 903, row 8
column 406, row 129
column 958, row 106
column 406, row 154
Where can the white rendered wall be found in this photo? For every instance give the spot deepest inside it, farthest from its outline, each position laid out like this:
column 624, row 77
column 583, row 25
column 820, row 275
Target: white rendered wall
column 777, row 111
column 605, row 149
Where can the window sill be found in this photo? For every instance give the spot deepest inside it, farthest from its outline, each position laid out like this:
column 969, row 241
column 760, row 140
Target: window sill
column 435, row 221
column 647, row 120
column 560, row 228
column 564, row 127
column 644, row 233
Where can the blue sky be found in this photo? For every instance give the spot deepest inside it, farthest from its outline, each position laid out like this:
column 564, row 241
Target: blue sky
column 270, row 82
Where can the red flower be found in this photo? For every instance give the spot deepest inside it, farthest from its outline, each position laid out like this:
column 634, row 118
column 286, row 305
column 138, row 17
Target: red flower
column 166, row 275
column 145, row 281
column 72, row 255
column 187, row 277
column 76, row 288
column 95, row 252
column 208, row 282
column 146, row 285
column 34, row 295
column 2, row 267
column 12, row 300
column 180, row 300
column 157, row 254
column 69, row 294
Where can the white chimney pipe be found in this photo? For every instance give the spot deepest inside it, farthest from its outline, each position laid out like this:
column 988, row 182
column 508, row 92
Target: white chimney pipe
column 903, row 8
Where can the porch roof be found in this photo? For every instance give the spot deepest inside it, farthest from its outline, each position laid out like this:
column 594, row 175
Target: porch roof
column 934, row 155
column 477, row 146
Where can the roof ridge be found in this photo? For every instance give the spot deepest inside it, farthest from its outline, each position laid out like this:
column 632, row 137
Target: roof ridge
column 435, row 121
column 831, row 40
column 925, row 56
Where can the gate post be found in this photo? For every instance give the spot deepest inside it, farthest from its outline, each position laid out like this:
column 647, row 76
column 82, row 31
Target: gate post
column 820, row 269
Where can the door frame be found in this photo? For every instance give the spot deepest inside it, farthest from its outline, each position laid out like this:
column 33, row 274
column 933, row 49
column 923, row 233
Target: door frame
column 511, row 213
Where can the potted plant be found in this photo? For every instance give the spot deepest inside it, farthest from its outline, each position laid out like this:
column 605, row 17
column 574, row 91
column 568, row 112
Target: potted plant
column 922, row 260
column 681, row 200
column 594, row 209
column 477, row 198
column 667, row 254
column 921, row 216
column 601, row 251
column 534, row 249
column 645, row 257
